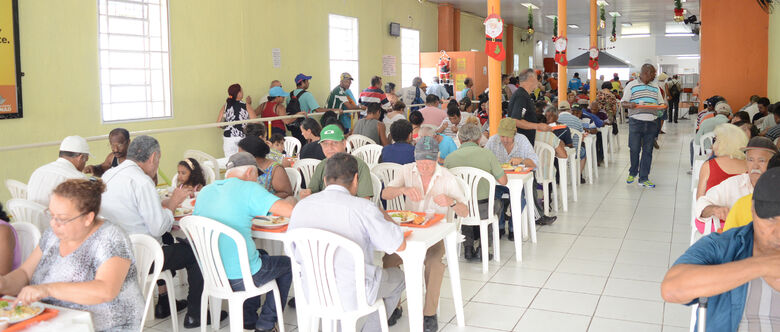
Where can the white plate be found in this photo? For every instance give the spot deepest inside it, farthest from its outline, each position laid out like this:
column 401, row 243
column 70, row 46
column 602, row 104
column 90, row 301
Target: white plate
column 266, row 222
column 37, row 306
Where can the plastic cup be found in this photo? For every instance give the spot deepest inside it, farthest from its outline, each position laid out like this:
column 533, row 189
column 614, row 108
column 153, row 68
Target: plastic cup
column 429, row 213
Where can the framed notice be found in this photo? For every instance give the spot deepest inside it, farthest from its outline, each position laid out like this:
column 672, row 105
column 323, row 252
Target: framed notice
column 10, row 70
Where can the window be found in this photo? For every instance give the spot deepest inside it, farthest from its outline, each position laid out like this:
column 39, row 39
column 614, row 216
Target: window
column 516, row 62
column 530, row 61
column 135, row 70
column 343, row 44
column 410, row 56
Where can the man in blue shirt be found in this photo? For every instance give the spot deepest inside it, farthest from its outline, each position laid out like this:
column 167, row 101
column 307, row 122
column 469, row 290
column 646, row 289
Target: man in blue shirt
column 737, row 271
column 575, row 84
column 401, row 151
column 234, row 202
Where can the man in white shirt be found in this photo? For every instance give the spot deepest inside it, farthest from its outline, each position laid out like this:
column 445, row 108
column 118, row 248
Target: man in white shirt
column 131, row 201
column 74, row 153
column 410, row 94
column 752, row 107
column 437, row 89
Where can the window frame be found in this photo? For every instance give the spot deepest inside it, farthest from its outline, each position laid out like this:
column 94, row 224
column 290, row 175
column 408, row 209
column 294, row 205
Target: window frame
column 333, row 76
column 404, row 82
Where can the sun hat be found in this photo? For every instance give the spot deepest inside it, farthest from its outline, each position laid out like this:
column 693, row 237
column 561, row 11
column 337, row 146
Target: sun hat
column 506, row 127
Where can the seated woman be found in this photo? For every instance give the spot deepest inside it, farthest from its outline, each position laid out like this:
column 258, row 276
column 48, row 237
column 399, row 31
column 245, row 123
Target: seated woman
column 189, row 175
column 400, row 152
column 729, row 158
column 416, row 119
column 82, row 262
column 371, row 126
column 272, row 176
column 311, row 129
column 10, row 251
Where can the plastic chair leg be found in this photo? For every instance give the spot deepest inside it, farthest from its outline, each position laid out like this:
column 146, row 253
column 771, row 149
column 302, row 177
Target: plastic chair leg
column 496, row 246
column 382, row 317
column 167, row 277
column 546, row 200
column 204, row 305
column 483, row 239
column 216, row 312
column 236, row 308
column 555, row 197
column 278, row 303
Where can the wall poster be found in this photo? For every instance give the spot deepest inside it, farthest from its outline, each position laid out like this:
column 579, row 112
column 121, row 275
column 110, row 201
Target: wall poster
column 10, row 70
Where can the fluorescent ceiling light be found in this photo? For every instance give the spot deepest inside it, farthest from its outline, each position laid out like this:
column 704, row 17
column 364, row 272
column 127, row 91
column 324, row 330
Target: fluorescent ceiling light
column 626, row 24
column 574, row 26
column 530, row 5
column 689, row 57
column 602, row 2
column 679, row 34
column 552, row 17
column 614, row 14
column 641, row 35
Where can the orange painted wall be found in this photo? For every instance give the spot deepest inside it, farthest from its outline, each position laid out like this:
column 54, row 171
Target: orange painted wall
column 447, row 29
column 734, row 53
column 471, row 64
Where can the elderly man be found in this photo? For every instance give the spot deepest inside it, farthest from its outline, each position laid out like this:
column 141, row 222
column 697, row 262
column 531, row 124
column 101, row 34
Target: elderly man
column 74, row 153
column 736, row 271
column 332, row 142
column 571, row 119
column 427, row 186
column 131, row 201
column 360, row 221
column 234, row 202
column 446, row 144
column 739, row 214
column 118, row 139
column 719, row 199
column 774, row 132
column 470, row 154
column 558, row 138
column 437, row 89
column 522, row 108
column 341, row 98
column 642, row 123
column 414, row 94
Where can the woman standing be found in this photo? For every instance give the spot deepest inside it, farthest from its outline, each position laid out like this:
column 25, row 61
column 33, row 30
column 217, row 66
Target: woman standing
column 271, row 175
column 274, row 107
column 392, row 97
column 234, row 110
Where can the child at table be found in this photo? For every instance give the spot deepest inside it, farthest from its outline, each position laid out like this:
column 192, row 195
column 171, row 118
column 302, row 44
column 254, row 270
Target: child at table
column 190, row 175
column 276, row 143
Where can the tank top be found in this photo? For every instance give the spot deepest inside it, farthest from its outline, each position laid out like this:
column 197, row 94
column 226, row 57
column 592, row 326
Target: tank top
column 717, row 175
column 266, row 179
column 233, row 114
column 17, row 247
column 269, row 111
column 367, row 127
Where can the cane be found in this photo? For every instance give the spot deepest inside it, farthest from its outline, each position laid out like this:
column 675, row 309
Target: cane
column 702, row 315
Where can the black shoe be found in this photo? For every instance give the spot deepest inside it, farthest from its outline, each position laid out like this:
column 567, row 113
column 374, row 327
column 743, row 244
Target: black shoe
column 501, row 233
column 468, row 253
column 291, row 303
column 511, row 236
column 656, row 146
column 430, row 324
column 395, row 316
column 582, row 179
column 163, row 309
column 191, row 322
column 546, row 220
column 478, row 255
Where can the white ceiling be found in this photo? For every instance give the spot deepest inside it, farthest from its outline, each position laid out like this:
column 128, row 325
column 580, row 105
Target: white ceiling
column 655, row 12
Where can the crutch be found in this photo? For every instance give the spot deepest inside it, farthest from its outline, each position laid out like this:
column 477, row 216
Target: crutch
column 702, row 315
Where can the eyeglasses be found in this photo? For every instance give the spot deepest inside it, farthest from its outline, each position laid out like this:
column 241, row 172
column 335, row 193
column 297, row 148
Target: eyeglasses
column 62, row 222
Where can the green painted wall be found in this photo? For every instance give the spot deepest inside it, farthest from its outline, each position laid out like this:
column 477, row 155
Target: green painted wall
column 773, row 70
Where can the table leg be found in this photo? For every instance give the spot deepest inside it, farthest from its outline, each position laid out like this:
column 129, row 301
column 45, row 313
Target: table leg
column 530, row 216
column 518, row 219
column 562, row 164
column 414, row 261
column 452, row 263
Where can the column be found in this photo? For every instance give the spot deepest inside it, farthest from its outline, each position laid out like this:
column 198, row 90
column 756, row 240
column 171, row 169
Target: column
column 563, row 82
column 494, row 77
column 594, row 25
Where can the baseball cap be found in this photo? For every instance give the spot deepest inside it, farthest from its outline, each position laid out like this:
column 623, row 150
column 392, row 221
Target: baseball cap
column 426, row 149
column 331, row 133
column 301, row 77
column 563, row 105
column 760, row 143
column 76, row 144
column 506, row 127
column 766, row 202
column 722, row 107
column 583, row 101
column 344, row 76
column 277, row 91
column 241, row 159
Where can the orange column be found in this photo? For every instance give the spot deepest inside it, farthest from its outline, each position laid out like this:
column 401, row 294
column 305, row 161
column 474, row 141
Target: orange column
column 509, row 46
column 456, row 30
column 446, row 27
column 494, row 78
column 562, row 80
column 594, row 24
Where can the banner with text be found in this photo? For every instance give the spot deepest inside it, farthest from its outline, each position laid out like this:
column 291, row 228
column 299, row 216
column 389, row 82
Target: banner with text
column 10, row 72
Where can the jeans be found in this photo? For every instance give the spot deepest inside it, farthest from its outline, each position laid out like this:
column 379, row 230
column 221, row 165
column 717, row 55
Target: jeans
column 273, row 268
column 180, row 256
column 500, row 191
column 674, row 109
column 641, row 136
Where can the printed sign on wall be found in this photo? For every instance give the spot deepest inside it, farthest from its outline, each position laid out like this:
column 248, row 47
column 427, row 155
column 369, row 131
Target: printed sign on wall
column 10, row 72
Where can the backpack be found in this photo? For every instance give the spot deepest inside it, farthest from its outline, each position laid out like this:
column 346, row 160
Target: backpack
column 674, row 91
column 294, row 105
column 417, row 100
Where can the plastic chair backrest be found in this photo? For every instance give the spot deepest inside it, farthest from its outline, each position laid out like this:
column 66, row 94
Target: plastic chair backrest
column 306, row 167
column 17, row 189
column 29, row 235
column 205, row 160
column 576, row 139
column 208, row 175
column 147, row 252
column 312, row 253
column 295, row 179
column 545, row 172
column 473, row 176
column 706, row 140
column 369, row 153
column 387, row 172
column 355, row 141
column 376, row 183
column 28, row 211
column 292, row 146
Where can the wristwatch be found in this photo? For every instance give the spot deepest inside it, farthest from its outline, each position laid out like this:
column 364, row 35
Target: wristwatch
column 454, row 202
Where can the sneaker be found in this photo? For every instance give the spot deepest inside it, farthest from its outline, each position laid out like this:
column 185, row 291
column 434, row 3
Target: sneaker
column 630, row 179
column 395, row 316
column 646, row 184
column 430, row 324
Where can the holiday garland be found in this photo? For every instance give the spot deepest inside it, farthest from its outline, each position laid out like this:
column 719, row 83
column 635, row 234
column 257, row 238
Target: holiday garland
column 603, row 22
column 678, row 11
column 530, row 20
column 613, row 38
column 555, row 27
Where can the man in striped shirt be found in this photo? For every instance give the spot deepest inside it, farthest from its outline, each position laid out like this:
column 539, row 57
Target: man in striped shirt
column 374, row 94
column 642, row 124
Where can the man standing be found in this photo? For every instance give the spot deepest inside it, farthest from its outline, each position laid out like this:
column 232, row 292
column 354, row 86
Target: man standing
column 437, row 89
column 575, row 84
column 374, row 94
column 675, row 89
column 523, row 109
column 341, row 98
column 306, row 102
column 74, row 153
column 414, row 94
column 642, row 123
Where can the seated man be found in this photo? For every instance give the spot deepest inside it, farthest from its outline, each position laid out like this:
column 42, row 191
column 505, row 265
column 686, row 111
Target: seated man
column 718, row 200
column 74, row 153
column 360, row 221
column 554, row 138
column 131, row 201
column 446, row 144
column 426, row 184
column 739, row 214
column 737, row 270
column 118, row 139
column 234, row 202
column 401, row 151
column 569, row 118
column 470, row 154
column 332, row 142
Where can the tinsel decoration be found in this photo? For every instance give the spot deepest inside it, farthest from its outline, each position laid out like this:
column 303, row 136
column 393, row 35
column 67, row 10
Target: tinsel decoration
column 555, row 27
column 613, row 37
column 603, row 21
column 678, row 11
column 530, row 20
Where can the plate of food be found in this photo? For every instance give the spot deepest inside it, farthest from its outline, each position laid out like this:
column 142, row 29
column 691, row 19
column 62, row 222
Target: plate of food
column 19, row 312
column 270, row 221
column 182, row 212
column 407, row 217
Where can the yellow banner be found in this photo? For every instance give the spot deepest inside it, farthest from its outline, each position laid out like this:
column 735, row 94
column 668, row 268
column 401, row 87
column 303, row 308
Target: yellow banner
column 9, row 49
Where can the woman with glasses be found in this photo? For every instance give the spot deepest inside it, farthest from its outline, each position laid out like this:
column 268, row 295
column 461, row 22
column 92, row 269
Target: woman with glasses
column 82, row 262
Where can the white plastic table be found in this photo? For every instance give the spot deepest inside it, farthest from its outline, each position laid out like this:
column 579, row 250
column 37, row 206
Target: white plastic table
column 413, row 257
column 521, row 217
column 68, row 320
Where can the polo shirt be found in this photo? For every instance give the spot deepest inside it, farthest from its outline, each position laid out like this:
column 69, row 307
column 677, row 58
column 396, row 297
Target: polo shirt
column 572, row 123
column 740, row 213
column 400, row 153
column 337, row 99
column 640, row 93
column 365, row 184
column 773, row 133
column 442, row 183
column 472, row 155
column 521, row 107
column 235, row 203
column 438, row 90
column 446, row 146
column 307, row 101
column 433, row 115
column 375, row 95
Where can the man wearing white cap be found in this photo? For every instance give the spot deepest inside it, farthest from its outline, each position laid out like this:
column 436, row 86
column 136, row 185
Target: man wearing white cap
column 74, row 153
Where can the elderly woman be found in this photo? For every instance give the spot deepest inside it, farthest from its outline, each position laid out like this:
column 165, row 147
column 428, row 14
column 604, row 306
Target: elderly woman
column 729, row 158
column 82, row 262
column 272, row 176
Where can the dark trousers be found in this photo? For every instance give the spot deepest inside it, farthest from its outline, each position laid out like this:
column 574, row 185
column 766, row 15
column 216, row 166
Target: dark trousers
column 273, row 268
column 599, row 148
column 674, row 109
column 180, row 256
column 641, row 136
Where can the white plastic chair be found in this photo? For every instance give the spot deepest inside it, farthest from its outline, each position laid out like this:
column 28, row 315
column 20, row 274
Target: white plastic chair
column 376, row 183
column 355, row 141
column 205, row 160
column 306, row 167
column 473, row 176
column 545, row 174
column 147, row 252
column 387, row 172
column 17, row 189
column 29, row 235
column 203, row 234
column 28, row 211
column 577, row 136
column 295, row 179
column 292, row 146
column 369, row 153
column 312, row 253
column 606, row 138
column 573, row 162
column 705, row 142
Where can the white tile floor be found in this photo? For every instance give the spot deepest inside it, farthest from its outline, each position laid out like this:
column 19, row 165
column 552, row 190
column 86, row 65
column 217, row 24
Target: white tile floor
column 598, row 268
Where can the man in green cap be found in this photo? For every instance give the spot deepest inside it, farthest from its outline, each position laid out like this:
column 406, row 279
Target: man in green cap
column 332, row 142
